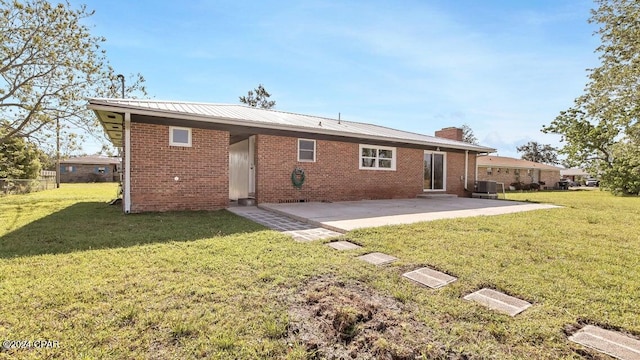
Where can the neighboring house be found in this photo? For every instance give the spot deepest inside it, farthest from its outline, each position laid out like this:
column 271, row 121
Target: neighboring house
column 509, row 170
column 195, row 156
column 93, row 168
column 575, row 175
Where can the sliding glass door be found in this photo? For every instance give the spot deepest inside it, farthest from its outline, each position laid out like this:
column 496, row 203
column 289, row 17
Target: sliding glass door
column 435, row 170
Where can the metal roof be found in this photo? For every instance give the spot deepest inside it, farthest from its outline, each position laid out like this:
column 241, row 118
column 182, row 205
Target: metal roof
column 240, row 115
column 507, row 162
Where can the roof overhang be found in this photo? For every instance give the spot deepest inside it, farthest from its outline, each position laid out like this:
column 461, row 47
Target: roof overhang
column 112, row 123
column 519, row 166
column 111, row 117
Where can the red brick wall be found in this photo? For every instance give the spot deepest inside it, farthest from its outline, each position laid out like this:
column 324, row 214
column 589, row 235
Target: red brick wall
column 335, row 176
column 202, row 169
column 452, row 133
column 504, row 175
column 550, row 178
column 455, row 173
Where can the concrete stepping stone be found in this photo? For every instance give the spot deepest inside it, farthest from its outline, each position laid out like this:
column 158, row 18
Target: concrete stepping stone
column 311, row 234
column 343, row 245
column 429, row 277
column 498, row 301
column 378, row 258
column 612, row 343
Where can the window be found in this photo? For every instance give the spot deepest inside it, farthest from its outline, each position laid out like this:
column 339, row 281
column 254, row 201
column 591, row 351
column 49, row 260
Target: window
column 306, row 150
column 100, row 170
column 489, row 171
column 516, row 171
column 506, row 170
column 499, row 170
column 373, row 157
column 435, row 170
column 67, row 169
column 179, row 136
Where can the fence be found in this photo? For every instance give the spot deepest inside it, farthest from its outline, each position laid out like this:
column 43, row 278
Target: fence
column 24, row 186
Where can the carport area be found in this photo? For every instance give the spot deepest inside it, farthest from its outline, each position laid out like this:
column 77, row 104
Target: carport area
column 349, row 215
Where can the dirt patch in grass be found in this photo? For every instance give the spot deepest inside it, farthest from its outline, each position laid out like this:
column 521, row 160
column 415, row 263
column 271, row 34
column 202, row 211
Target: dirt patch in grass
column 331, row 319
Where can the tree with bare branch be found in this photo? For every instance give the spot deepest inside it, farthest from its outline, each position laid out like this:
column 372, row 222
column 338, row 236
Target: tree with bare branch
column 50, row 64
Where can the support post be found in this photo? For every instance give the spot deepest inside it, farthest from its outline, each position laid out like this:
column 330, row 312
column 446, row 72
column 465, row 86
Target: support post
column 126, row 198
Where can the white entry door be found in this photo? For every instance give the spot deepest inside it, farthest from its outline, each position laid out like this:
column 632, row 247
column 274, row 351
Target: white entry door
column 239, row 170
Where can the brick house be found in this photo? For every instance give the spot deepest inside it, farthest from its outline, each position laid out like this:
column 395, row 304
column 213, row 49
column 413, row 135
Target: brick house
column 195, row 156
column 92, row 168
column 510, row 170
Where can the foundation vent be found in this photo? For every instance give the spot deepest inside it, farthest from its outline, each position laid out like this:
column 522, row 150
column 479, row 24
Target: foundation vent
column 292, row 201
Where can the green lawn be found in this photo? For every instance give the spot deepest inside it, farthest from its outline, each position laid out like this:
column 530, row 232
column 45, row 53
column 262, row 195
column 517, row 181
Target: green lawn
column 213, row 285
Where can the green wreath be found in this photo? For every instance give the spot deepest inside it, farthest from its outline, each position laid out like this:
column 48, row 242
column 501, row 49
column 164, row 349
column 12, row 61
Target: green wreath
column 297, row 177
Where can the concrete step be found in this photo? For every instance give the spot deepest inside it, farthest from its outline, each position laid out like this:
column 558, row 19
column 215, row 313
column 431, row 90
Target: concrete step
column 436, row 196
column 247, row 202
column 484, row 196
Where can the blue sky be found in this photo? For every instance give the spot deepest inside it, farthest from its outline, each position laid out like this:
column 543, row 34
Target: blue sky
column 505, row 68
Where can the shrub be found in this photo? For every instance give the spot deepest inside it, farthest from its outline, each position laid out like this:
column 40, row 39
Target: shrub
column 517, row 185
column 93, row 177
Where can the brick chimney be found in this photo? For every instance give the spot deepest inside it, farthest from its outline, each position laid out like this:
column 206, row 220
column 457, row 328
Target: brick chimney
column 452, row 133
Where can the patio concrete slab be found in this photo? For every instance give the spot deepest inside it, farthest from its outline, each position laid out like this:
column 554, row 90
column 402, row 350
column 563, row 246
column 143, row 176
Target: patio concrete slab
column 378, row 258
column 612, row 343
column 298, row 230
column 343, row 245
column 344, row 216
column 498, row 301
column 429, row 277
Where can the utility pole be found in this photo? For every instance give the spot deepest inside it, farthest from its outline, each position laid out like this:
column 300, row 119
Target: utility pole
column 57, row 153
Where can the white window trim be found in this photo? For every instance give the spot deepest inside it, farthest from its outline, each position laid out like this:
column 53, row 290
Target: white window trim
column 173, row 143
column 444, row 171
column 377, row 147
column 314, row 150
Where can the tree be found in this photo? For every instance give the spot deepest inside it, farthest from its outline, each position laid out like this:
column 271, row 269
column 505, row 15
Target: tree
column 49, row 65
column 258, row 97
column 601, row 121
column 624, row 176
column 545, row 154
column 47, row 161
column 19, row 159
column 468, row 136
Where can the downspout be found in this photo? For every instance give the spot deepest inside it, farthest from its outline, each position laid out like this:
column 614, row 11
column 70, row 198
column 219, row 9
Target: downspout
column 476, row 175
column 466, row 169
column 127, row 163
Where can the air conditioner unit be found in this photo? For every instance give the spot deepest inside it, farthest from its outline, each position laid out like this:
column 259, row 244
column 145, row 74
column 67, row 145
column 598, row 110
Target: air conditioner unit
column 487, row 187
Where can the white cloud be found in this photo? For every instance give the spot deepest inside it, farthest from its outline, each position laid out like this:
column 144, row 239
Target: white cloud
column 416, row 65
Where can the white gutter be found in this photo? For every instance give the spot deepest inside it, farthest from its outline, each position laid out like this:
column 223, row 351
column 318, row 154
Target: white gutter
column 466, row 169
column 127, row 163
